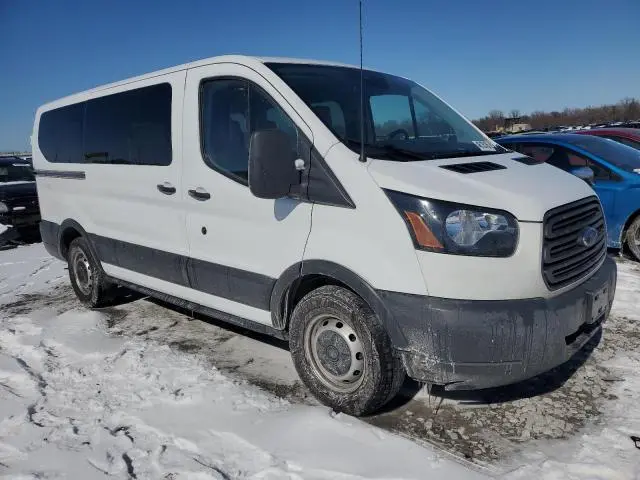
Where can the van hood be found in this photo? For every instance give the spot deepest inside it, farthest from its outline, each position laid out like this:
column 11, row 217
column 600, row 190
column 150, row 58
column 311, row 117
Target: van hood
column 526, row 191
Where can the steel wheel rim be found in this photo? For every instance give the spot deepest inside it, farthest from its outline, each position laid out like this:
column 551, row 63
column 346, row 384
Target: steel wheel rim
column 82, row 272
column 336, row 353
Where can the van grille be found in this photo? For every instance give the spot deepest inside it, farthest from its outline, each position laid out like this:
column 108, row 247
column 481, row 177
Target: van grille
column 565, row 259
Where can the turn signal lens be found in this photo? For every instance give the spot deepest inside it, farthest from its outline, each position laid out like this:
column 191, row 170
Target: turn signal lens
column 424, row 236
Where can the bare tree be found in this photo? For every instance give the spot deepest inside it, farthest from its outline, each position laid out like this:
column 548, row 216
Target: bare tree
column 496, row 115
column 627, row 109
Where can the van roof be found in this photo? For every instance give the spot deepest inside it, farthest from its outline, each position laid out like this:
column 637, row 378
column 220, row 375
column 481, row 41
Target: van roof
column 239, row 59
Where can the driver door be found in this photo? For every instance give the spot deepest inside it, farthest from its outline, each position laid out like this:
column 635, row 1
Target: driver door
column 239, row 244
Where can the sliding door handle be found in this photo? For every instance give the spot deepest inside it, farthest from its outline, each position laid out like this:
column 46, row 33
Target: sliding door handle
column 166, row 188
column 199, row 194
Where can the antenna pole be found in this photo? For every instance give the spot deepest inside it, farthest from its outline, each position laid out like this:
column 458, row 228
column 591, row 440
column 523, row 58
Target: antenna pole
column 363, row 158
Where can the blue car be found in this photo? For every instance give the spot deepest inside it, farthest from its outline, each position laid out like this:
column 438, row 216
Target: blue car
column 613, row 168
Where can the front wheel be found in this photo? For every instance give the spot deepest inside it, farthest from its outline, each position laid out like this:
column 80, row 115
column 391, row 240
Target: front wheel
column 343, row 353
column 632, row 238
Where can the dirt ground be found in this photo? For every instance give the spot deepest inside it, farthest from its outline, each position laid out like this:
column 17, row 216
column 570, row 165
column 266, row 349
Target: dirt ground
column 488, row 428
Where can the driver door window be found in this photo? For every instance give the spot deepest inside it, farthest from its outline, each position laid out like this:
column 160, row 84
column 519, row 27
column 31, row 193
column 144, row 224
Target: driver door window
column 232, row 110
column 392, row 117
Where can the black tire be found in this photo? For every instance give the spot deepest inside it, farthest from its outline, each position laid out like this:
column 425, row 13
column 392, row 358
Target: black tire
column 98, row 291
column 632, row 239
column 383, row 372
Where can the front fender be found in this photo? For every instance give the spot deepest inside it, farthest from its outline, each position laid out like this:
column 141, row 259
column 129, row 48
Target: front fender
column 295, row 273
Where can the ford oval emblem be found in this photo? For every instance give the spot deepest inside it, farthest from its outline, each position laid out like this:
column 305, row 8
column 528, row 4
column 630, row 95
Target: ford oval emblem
column 588, row 237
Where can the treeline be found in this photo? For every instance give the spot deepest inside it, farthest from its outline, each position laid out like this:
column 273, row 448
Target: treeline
column 625, row 110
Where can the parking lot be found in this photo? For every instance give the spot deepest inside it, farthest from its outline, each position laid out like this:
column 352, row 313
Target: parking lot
column 568, row 420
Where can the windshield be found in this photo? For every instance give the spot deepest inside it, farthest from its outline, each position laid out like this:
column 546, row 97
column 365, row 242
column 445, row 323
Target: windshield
column 622, row 156
column 16, row 172
column 402, row 120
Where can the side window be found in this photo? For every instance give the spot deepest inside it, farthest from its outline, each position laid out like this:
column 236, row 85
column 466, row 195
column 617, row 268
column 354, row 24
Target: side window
column 625, row 141
column 331, row 115
column 512, row 146
column 540, row 153
column 231, row 110
column 600, row 171
column 568, row 159
column 60, row 134
column 391, row 113
column 130, row 128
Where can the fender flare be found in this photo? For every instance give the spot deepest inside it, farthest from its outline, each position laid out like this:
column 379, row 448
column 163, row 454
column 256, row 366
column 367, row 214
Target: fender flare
column 72, row 224
column 292, row 276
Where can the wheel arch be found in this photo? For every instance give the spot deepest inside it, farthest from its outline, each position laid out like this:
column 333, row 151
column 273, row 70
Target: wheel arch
column 303, row 277
column 69, row 231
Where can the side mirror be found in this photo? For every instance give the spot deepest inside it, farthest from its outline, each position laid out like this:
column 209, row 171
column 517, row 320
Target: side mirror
column 585, row 173
column 272, row 170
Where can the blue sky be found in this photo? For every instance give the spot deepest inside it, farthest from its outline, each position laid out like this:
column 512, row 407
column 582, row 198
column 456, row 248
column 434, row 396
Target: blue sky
column 478, row 55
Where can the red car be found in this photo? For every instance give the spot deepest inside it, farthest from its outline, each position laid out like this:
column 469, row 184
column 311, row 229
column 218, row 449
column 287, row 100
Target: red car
column 628, row 136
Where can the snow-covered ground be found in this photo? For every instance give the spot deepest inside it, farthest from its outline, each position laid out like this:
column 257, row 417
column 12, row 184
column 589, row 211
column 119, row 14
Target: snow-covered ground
column 78, row 402
column 141, row 391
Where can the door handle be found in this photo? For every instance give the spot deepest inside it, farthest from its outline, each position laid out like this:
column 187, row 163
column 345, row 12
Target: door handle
column 199, row 193
column 166, row 188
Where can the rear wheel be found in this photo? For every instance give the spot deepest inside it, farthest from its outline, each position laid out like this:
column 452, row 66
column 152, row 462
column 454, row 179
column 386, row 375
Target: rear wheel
column 87, row 278
column 632, row 238
column 343, row 353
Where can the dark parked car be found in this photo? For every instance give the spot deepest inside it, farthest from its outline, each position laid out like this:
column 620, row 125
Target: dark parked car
column 18, row 196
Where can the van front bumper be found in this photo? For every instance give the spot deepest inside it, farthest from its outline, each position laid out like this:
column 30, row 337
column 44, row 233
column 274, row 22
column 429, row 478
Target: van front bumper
column 472, row 344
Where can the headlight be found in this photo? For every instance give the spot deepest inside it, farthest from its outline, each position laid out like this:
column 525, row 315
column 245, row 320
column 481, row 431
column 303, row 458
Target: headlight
column 446, row 227
column 3, row 208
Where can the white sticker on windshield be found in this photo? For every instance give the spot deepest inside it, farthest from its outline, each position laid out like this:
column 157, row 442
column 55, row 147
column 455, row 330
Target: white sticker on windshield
column 485, row 145
column 637, row 170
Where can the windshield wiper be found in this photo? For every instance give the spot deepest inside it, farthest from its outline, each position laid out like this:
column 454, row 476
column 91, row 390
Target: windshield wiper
column 406, row 155
column 401, row 154
column 404, row 151
column 459, row 154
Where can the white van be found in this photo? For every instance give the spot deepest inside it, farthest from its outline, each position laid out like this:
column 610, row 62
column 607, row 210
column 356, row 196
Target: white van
column 235, row 187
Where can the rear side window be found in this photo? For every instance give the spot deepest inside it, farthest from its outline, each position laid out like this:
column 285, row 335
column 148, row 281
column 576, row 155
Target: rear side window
column 128, row 128
column 60, row 134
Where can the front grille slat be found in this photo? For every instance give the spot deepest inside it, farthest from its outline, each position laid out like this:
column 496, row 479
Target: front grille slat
column 557, row 259
column 557, row 246
column 575, row 228
column 575, row 274
column 564, row 258
column 570, row 225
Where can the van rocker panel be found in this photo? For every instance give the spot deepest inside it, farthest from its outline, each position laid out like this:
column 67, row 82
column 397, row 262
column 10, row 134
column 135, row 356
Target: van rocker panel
column 473, row 344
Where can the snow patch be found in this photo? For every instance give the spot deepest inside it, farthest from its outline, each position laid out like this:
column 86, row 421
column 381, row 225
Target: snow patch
column 79, row 402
